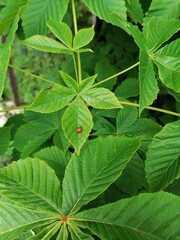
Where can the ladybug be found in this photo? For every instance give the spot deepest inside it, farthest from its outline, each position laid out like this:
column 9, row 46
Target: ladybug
column 79, row 130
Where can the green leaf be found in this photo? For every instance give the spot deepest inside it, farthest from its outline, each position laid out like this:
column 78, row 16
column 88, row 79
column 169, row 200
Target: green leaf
column 83, row 37
column 38, row 12
column 168, row 61
column 52, row 99
column 133, row 177
column 55, row 158
column 46, row 44
column 60, row 140
column 163, row 10
column 77, row 234
column 146, row 216
column 8, row 14
column 38, row 129
column 5, row 51
column 77, row 123
column 128, row 88
column 69, row 81
column 47, row 232
column 100, row 98
column 33, row 183
column 99, row 164
column 135, row 10
column 148, row 82
column 16, row 219
column 61, row 31
column 105, row 69
column 5, row 137
column 137, row 35
column 163, row 157
column 158, row 32
column 125, row 119
column 63, row 233
column 113, row 11
column 87, row 83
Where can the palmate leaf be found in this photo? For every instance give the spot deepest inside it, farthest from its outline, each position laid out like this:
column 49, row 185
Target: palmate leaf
column 83, row 37
column 38, row 12
column 163, row 157
column 62, row 31
column 113, row 11
column 77, row 123
column 168, row 61
column 16, row 219
column 87, row 82
column 46, row 44
column 163, row 10
column 148, row 82
column 100, row 98
column 69, row 81
column 147, row 216
column 52, row 99
column 99, row 164
column 157, row 32
column 8, row 14
column 33, row 184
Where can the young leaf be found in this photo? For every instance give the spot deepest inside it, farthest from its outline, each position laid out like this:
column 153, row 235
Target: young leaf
column 77, row 123
column 52, row 99
column 87, row 83
column 83, row 37
column 63, row 233
column 33, row 183
column 137, row 35
column 16, row 219
column 99, row 164
column 146, row 216
column 61, row 31
column 46, row 44
column 158, row 32
column 113, row 11
column 163, row 157
column 148, row 82
column 69, row 81
column 5, row 137
column 100, row 98
column 38, row 12
column 168, row 61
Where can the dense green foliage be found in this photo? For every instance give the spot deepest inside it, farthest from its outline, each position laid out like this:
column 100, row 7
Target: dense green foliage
column 91, row 159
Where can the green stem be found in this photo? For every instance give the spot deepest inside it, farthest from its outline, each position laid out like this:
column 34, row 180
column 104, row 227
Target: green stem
column 121, row 102
column 75, row 66
column 75, row 31
column 33, row 75
column 116, row 75
column 151, row 108
column 12, row 108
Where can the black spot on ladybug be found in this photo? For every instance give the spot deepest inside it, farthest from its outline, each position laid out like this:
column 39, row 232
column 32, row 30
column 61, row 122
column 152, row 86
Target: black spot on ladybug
column 79, row 130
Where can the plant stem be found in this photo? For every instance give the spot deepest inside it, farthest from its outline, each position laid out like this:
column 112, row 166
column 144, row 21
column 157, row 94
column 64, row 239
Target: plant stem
column 33, row 75
column 12, row 108
column 151, row 108
column 117, row 74
column 121, row 102
column 75, row 66
column 75, row 31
